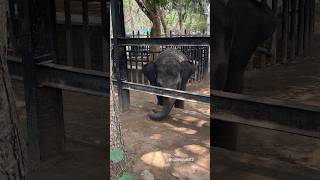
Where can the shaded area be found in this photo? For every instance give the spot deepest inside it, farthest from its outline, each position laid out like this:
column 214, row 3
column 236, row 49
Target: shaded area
column 265, row 154
column 85, row 126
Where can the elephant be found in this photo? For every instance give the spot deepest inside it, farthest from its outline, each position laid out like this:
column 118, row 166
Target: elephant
column 239, row 26
column 170, row 69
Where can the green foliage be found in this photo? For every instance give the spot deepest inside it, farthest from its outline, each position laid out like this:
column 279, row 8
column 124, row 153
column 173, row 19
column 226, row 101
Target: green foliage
column 116, row 154
column 194, row 15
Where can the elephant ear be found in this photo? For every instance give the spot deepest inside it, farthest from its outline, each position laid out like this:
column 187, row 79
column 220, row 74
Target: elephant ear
column 149, row 70
column 187, row 69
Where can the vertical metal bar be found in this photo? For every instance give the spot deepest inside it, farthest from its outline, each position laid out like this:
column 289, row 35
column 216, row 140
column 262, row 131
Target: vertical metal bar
column 311, row 22
column 119, row 52
column 68, row 30
column 86, row 34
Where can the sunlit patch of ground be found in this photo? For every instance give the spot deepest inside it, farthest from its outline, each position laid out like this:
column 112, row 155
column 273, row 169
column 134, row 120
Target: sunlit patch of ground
column 175, row 148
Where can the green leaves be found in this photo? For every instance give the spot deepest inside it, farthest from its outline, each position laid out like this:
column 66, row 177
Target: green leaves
column 116, row 154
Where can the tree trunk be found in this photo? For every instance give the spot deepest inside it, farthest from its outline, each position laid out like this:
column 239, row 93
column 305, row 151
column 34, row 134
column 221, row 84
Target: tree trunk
column 181, row 26
column 11, row 152
column 164, row 24
column 116, row 139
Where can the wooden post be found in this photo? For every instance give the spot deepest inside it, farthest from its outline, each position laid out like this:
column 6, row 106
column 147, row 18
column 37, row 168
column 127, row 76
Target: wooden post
column 120, row 52
column 45, row 125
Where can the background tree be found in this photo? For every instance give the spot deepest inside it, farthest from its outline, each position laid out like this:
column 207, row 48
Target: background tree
column 11, row 152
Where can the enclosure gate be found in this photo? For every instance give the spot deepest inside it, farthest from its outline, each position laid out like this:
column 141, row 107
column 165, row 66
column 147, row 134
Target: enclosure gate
column 39, row 62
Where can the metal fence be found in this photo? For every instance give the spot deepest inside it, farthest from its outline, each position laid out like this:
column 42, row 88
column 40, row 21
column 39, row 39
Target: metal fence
column 138, row 56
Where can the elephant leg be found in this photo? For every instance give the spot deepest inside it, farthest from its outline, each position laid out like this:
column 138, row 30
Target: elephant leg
column 160, row 100
column 220, row 61
column 180, row 103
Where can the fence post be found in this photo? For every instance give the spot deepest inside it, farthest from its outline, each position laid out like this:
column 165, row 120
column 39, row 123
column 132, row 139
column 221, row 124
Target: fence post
column 44, row 105
column 120, row 53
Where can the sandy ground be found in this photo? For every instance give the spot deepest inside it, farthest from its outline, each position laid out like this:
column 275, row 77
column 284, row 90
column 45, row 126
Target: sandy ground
column 184, row 134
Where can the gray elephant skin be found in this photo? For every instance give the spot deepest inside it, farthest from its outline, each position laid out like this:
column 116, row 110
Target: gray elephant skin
column 239, row 26
column 171, row 69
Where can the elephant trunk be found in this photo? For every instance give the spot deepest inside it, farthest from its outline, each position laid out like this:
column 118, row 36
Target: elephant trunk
column 168, row 104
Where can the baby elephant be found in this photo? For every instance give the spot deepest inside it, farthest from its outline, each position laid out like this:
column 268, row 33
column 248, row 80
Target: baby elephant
column 171, row 69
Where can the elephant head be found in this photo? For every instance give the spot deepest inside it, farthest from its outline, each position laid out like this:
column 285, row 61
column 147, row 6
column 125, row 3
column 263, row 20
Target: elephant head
column 171, row 69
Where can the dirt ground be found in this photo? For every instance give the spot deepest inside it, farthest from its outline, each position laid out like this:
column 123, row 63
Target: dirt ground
column 184, row 134
column 85, row 125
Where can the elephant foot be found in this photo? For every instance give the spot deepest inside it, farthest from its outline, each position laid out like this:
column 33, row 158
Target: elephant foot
column 151, row 119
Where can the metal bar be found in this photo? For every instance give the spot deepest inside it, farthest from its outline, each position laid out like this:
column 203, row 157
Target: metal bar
column 86, row 34
column 173, row 41
column 171, row 93
column 120, row 52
